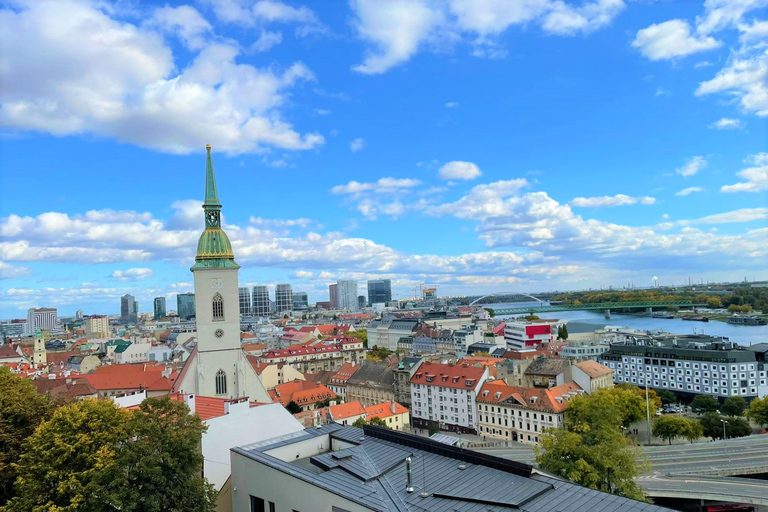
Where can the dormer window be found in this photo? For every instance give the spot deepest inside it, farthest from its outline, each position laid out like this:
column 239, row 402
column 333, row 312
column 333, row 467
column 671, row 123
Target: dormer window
column 485, row 393
column 497, row 395
column 470, row 383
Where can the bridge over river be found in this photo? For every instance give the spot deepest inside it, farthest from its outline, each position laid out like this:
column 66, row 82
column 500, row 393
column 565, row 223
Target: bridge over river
column 599, row 306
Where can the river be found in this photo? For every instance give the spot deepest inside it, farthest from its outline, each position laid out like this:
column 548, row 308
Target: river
column 584, row 321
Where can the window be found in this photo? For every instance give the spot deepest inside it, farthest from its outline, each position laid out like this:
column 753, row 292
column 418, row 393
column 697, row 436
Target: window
column 218, row 308
column 271, row 507
column 257, row 504
column 221, row 386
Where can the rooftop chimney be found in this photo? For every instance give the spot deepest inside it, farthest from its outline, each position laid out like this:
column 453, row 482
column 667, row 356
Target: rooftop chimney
column 409, row 478
column 190, row 401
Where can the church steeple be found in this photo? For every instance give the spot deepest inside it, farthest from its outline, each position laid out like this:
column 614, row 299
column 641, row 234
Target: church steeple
column 213, row 249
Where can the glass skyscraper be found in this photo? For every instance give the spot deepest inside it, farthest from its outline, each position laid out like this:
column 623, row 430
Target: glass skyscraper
column 159, row 307
column 283, row 298
column 185, row 305
column 260, row 305
column 379, row 290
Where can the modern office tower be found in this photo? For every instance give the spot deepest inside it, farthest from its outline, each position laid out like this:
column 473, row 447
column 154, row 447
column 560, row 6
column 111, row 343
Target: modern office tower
column 185, row 305
column 136, row 308
column 283, row 298
column 346, row 291
column 79, row 314
column 45, row 319
column 379, row 290
column 333, row 296
column 361, row 302
column 300, row 301
column 261, row 305
column 245, row 301
column 159, row 307
column 128, row 312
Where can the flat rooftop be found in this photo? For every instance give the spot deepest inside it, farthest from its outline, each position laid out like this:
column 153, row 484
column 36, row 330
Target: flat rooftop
column 368, row 466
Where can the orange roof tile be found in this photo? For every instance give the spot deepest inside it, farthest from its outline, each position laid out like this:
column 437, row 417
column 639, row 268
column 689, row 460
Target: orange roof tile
column 593, row 368
column 553, row 400
column 300, row 391
column 384, row 410
column 461, row 376
column 346, row 410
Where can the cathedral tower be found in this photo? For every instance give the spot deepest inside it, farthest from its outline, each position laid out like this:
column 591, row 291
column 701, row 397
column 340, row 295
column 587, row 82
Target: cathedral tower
column 219, row 366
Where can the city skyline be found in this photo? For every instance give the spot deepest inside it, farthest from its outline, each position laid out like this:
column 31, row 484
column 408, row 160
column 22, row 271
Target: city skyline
column 556, row 149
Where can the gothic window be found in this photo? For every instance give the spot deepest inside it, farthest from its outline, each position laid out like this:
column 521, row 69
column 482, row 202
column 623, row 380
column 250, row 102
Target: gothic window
column 218, row 308
column 221, row 383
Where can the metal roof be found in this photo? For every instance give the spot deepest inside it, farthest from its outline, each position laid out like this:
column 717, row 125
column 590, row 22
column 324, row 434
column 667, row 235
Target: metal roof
column 372, row 472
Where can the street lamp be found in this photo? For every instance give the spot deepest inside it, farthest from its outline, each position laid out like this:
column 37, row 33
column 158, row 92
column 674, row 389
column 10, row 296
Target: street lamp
column 725, row 439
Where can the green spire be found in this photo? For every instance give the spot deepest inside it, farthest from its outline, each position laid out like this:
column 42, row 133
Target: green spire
column 211, row 196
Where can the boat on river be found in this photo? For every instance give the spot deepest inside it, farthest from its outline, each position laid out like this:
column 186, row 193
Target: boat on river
column 746, row 320
column 695, row 318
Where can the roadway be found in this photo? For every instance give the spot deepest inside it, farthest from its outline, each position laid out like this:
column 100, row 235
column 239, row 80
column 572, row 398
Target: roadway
column 740, row 456
column 594, row 306
column 693, row 471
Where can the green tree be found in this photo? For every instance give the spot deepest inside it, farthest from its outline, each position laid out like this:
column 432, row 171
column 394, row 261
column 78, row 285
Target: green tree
column 712, row 424
column 532, row 317
column 433, row 427
column 293, row 407
column 704, row 403
column 159, row 470
column 70, row 457
column 673, row 309
column 714, row 303
column 361, row 335
column 632, row 400
column 22, row 409
column 693, row 431
column 758, row 411
column 670, row 427
column 361, row 422
column 734, row 406
column 378, row 354
column 667, row 397
column 598, row 458
column 491, row 312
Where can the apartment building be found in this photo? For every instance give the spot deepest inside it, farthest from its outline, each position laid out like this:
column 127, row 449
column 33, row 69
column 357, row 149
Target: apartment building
column 446, row 394
column 373, row 383
column 316, row 358
column 690, row 365
column 521, row 335
column 520, row 414
column 97, row 326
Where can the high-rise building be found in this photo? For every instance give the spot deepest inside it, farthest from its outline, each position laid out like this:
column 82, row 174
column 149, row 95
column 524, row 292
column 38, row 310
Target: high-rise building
column 283, row 298
column 361, row 302
column 346, row 291
column 136, row 308
column 97, row 326
column 379, row 290
column 128, row 313
column 245, row 301
column 333, row 296
column 261, row 305
column 79, row 314
column 185, row 305
column 300, row 301
column 218, row 366
column 45, row 319
column 159, row 307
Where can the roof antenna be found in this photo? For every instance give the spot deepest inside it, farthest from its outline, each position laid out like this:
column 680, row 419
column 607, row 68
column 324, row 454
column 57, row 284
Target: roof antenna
column 408, row 477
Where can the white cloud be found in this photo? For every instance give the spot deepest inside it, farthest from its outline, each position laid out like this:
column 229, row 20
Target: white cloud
column 483, row 200
column 132, row 274
column 671, row 39
column 692, row 166
column 398, row 29
column 660, row 91
column 321, row 111
column 13, row 271
column 745, row 77
column 756, row 177
column 735, row 216
column 357, row 144
column 726, row 123
column 689, row 191
column 721, row 14
column 452, row 104
column 70, row 68
column 184, row 21
column 282, row 223
column 384, row 185
column 617, row 200
column 265, row 12
column 565, row 19
column 267, row 40
column 458, row 170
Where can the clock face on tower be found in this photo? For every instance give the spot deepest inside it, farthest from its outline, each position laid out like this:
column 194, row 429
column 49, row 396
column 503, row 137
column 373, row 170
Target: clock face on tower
column 216, row 283
column 219, row 333
column 212, row 218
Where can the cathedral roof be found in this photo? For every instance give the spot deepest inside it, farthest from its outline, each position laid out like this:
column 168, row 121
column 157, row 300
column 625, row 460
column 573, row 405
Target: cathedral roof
column 214, row 249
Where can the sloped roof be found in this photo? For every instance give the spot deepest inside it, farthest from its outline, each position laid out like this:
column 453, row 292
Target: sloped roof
column 344, row 373
column 384, row 410
column 553, row 400
column 461, row 376
column 128, row 376
column 206, row 407
column 373, row 374
column 300, row 391
column 346, row 410
column 593, row 369
column 7, row 352
column 547, row 366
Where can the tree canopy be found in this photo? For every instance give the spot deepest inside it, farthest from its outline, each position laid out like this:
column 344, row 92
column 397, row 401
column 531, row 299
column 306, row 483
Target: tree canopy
column 734, row 406
column 758, row 410
column 670, row 427
column 22, row 409
column 712, row 424
column 590, row 450
column 666, row 396
column 702, row 404
column 361, row 422
column 93, row 456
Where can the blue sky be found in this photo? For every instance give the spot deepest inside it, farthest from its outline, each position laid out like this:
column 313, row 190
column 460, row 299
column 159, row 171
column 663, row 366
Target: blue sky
column 477, row 145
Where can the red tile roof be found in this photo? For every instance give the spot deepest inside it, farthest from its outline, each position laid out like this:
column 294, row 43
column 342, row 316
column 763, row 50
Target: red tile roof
column 8, row 352
column 593, row 369
column 207, row 407
column 461, row 376
column 346, row 410
column 345, row 372
column 384, row 410
column 300, row 391
column 554, row 399
column 129, row 376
